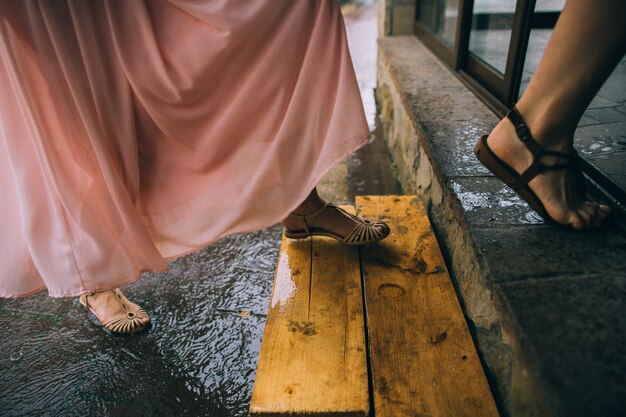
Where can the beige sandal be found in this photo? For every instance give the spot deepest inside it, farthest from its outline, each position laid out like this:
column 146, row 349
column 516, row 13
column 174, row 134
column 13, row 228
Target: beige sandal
column 129, row 323
column 364, row 232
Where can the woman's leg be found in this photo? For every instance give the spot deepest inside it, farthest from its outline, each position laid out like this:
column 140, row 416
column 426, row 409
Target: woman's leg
column 586, row 45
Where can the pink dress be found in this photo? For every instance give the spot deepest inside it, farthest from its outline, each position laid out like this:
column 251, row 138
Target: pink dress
column 136, row 131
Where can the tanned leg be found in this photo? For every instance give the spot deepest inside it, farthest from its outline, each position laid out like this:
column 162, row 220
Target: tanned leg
column 587, row 43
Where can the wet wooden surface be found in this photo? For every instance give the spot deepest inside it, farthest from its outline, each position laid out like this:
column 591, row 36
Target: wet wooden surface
column 313, row 359
column 422, row 356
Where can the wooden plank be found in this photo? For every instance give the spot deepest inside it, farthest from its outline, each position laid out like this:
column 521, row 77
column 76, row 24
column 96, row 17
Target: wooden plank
column 422, row 356
column 313, row 359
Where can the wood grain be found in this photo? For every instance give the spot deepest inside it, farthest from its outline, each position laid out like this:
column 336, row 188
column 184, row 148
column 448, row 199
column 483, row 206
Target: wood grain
column 313, row 359
column 423, row 360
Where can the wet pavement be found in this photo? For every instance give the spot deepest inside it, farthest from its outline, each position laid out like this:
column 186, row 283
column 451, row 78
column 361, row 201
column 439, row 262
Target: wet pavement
column 545, row 304
column 199, row 356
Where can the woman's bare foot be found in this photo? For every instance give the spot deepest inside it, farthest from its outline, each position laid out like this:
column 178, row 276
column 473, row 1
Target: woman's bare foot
column 116, row 312
column 555, row 189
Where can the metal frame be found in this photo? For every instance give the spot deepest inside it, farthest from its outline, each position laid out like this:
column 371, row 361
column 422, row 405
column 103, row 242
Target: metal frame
column 497, row 90
column 440, row 49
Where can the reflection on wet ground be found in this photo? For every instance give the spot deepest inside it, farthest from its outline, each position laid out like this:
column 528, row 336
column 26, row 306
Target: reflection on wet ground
column 200, row 354
column 197, row 359
column 285, row 287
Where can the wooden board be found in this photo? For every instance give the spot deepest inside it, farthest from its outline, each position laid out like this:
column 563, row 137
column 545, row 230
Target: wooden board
column 313, row 359
column 422, row 356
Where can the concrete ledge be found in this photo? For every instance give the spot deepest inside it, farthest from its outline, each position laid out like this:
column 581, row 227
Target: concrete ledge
column 546, row 305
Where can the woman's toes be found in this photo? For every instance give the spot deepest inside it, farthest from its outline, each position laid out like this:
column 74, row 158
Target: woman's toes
column 598, row 211
column 597, row 216
column 600, row 214
column 577, row 221
column 588, row 210
column 604, row 210
column 382, row 228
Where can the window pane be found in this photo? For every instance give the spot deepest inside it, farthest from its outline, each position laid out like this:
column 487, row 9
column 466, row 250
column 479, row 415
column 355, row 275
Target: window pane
column 549, row 5
column 440, row 16
column 492, row 21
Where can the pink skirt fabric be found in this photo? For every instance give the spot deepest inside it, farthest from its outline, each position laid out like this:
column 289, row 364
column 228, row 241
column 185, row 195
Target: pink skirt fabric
column 135, row 131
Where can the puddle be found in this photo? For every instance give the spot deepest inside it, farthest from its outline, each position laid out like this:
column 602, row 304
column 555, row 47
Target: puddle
column 285, row 288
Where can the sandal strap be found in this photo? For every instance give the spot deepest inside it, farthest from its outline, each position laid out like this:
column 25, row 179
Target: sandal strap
column 570, row 160
column 523, row 132
column 85, row 301
column 118, row 297
column 364, row 230
column 126, row 324
column 304, row 218
column 361, row 232
column 121, row 324
column 116, row 293
column 348, row 214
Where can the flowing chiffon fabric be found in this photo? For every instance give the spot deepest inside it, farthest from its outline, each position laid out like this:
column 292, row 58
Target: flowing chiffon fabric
column 135, row 131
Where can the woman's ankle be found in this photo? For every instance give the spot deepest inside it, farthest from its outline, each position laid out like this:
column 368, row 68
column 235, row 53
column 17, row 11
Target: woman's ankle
column 549, row 127
column 312, row 203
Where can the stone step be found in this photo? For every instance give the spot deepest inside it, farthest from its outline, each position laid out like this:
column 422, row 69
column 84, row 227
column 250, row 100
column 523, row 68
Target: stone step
column 545, row 304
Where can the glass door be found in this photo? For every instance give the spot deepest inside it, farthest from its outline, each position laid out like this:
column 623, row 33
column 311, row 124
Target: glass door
column 437, row 23
column 498, row 38
column 486, row 41
column 490, row 37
